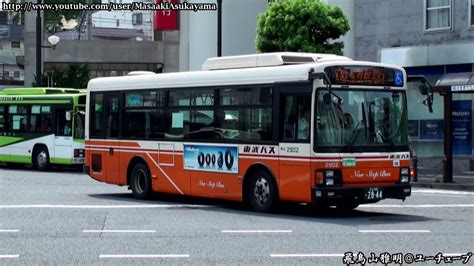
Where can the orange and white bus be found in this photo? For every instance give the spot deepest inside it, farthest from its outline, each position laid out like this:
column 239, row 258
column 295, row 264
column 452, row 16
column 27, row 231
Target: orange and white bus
column 310, row 128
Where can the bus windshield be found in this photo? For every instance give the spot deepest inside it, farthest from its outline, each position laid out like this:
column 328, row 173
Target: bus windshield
column 358, row 120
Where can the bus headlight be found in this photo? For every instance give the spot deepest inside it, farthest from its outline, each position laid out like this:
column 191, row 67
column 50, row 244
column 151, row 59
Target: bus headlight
column 404, row 175
column 329, row 182
column 79, row 153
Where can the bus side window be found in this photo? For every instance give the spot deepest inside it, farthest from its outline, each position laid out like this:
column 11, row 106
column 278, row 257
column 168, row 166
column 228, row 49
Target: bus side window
column 97, row 111
column 2, row 118
column 296, row 117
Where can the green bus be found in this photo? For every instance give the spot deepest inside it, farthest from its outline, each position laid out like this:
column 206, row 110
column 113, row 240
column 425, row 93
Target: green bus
column 42, row 126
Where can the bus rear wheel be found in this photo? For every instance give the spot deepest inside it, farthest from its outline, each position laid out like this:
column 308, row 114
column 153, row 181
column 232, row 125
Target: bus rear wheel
column 41, row 159
column 140, row 181
column 262, row 192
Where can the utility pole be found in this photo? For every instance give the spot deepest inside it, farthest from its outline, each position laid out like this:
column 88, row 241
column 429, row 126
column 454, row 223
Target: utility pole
column 89, row 22
column 39, row 43
column 219, row 28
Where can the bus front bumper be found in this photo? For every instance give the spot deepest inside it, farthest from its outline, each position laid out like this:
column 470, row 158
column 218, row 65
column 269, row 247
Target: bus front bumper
column 334, row 195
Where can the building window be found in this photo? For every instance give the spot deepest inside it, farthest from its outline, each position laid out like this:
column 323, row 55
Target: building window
column 438, row 14
column 15, row 44
column 471, row 14
column 137, row 19
column 16, row 74
column 118, row 23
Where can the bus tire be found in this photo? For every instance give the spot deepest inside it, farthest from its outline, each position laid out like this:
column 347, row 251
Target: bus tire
column 41, row 158
column 262, row 191
column 140, row 181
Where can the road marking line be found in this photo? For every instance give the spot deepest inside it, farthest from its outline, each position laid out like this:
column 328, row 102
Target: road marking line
column 394, row 231
column 143, row 206
column 439, row 191
column 9, row 256
column 119, row 231
column 304, row 255
column 9, row 231
column 443, row 195
column 120, row 256
column 418, row 206
column 256, row 231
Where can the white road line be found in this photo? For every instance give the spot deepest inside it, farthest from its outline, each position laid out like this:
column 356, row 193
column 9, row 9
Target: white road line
column 443, row 195
column 417, row 206
column 129, row 206
column 394, row 231
column 304, row 255
column 440, row 191
column 9, row 231
column 122, row 256
column 119, row 231
column 9, row 256
column 256, row 231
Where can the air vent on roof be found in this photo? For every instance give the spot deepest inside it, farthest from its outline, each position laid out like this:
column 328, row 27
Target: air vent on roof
column 257, row 60
column 139, row 73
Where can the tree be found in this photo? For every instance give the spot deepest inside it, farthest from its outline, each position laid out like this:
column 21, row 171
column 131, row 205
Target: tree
column 74, row 76
column 301, row 26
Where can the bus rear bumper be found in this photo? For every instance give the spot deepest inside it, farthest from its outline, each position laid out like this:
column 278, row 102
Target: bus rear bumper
column 334, row 195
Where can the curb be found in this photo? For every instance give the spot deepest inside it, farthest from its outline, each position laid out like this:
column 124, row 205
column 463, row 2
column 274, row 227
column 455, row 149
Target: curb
column 447, row 186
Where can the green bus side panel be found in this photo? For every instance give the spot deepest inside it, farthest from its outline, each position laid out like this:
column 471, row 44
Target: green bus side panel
column 61, row 161
column 27, row 159
column 4, row 140
column 15, row 159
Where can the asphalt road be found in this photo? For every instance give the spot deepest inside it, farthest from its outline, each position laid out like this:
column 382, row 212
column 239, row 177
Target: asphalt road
column 64, row 217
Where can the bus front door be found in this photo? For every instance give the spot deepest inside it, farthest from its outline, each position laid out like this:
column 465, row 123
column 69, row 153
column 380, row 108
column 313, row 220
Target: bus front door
column 62, row 152
column 294, row 146
column 112, row 156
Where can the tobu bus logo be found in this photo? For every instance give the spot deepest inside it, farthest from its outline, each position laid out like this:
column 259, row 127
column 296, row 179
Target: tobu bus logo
column 211, row 158
column 399, row 156
column 260, row 150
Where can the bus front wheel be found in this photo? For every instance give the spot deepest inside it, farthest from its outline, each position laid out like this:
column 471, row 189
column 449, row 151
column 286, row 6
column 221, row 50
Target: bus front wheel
column 41, row 159
column 140, row 182
column 262, row 191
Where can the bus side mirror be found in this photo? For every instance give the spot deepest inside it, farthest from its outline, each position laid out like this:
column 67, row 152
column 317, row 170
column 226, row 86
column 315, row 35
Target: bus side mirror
column 68, row 116
column 423, row 89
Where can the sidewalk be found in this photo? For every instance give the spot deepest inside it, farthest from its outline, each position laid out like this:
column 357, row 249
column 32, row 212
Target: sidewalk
column 461, row 181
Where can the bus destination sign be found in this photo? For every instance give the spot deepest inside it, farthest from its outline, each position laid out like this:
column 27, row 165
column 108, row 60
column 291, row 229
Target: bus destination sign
column 364, row 76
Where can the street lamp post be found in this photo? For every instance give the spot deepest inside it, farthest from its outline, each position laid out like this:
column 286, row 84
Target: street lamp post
column 39, row 37
column 53, row 40
column 219, row 28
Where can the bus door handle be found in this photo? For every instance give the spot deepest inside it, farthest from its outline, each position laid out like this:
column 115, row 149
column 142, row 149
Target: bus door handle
column 111, row 151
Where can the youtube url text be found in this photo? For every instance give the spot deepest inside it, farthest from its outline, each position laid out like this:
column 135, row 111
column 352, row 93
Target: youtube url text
column 134, row 6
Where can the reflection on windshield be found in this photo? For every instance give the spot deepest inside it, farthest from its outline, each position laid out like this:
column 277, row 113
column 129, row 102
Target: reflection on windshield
column 79, row 116
column 364, row 118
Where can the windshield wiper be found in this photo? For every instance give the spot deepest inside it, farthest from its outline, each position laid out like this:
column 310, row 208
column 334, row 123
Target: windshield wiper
column 384, row 138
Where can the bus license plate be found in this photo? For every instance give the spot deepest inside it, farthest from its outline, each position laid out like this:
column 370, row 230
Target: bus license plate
column 374, row 193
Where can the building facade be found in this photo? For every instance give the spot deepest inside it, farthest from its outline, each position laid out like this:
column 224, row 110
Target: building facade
column 11, row 50
column 430, row 38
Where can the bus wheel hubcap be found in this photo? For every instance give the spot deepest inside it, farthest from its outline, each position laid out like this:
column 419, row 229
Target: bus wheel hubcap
column 140, row 181
column 262, row 190
column 42, row 158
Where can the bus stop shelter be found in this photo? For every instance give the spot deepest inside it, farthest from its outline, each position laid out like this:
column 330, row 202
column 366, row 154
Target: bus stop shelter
column 446, row 86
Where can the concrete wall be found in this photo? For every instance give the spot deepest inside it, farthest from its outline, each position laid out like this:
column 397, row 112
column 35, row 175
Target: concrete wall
column 397, row 23
column 199, row 31
column 348, row 7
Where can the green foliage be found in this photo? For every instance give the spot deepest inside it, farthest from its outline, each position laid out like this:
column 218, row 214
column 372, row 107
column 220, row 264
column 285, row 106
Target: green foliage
column 53, row 18
column 74, row 76
column 301, row 26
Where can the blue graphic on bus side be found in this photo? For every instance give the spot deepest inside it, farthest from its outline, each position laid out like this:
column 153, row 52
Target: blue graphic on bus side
column 398, row 78
column 223, row 159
